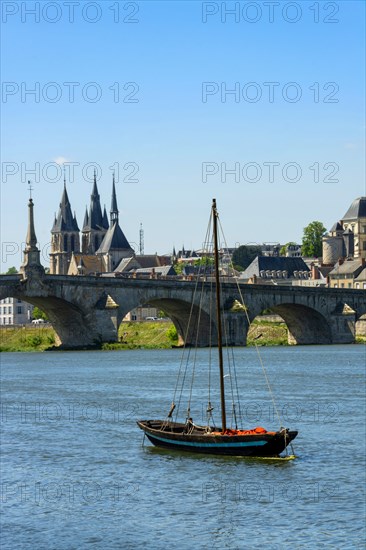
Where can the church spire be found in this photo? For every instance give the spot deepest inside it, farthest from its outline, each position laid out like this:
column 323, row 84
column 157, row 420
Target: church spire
column 31, row 253
column 95, row 188
column 105, row 219
column 86, row 219
column 65, row 221
column 95, row 220
column 114, row 207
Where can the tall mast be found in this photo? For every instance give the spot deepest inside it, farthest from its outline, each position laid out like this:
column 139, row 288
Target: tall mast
column 218, row 316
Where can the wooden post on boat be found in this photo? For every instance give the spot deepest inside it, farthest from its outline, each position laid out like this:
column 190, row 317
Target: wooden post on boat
column 218, row 315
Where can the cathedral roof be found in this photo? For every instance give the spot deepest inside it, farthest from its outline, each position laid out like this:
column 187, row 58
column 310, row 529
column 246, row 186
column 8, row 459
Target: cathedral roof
column 65, row 220
column 356, row 210
column 114, row 239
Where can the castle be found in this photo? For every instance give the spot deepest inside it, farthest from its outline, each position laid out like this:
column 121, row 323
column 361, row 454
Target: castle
column 103, row 243
column 347, row 237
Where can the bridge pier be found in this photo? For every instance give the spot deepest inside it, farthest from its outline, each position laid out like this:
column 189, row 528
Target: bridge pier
column 235, row 329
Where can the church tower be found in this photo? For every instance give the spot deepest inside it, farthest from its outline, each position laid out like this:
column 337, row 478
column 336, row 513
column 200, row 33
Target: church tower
column 114, row 246
column 65, row 238
column 95, row 223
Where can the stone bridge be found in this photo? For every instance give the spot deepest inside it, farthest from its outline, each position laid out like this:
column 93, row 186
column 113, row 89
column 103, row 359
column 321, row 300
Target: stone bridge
column 86, row 310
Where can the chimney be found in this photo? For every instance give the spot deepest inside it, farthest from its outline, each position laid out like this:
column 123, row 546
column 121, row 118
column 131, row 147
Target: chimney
column 314, row 272
column 348, row 238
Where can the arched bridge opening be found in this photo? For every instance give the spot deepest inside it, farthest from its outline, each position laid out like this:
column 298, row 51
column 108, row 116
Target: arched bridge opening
column 66, row 318
column 193, row 324
column 305, row 325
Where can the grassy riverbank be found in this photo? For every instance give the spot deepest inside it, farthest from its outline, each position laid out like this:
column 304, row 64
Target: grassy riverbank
column 27, row 338
column 149, row 335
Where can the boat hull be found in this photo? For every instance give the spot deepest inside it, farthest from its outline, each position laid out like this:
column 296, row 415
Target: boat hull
column 174, row 436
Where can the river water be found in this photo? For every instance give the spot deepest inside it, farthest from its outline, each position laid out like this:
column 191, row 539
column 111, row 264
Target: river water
column 75, row 474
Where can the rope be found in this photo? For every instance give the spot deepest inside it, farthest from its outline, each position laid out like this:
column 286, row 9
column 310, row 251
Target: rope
column 255, row 345
column 182, row 376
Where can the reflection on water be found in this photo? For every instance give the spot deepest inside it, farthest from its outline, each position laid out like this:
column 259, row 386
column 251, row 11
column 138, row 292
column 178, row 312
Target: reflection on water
column 75, row 472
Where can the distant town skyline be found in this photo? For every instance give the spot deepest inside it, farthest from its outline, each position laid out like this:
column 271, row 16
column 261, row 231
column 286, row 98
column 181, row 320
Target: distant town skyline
column 184, row 102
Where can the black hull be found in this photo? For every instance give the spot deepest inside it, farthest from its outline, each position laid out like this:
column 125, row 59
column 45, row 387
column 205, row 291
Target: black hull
column 173, row 436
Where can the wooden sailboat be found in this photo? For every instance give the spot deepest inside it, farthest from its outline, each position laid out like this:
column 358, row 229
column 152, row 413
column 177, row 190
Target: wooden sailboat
column 210, row 439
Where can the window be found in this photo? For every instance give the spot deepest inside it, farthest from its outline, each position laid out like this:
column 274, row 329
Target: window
column 19, row 301
column 19, row 310
column 342, row 285
column 73, row 243
column 349, row 285
column 65, row 243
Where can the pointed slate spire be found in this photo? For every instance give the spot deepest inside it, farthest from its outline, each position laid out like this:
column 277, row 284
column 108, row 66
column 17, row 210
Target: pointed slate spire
column 54, row 222
column 95, row 188
column 105, row 219
column 114, row 207
column 75, row 221
column 95, row 212
column 65, row 220
column 86, row 219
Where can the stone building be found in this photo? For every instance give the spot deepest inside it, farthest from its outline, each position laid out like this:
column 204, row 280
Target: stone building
column 103, row 243
column 348, row 274
column 65, row 238
column 354, row 224
column 15, row 312
column 275, row 269
column 347, row 237
column 114, row 246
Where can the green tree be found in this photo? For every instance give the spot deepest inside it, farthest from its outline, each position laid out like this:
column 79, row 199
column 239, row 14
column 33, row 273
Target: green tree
column 245, row 254
column 39, row 314
column 179, row 268
column 283, row 248
column 11, row 271
column 205, row 261
column 172, row 334
column 312, row 239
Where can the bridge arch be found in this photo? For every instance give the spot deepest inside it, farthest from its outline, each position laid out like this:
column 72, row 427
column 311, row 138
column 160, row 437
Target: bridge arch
column 305, row 324
column 65, row 317
column 192, row 322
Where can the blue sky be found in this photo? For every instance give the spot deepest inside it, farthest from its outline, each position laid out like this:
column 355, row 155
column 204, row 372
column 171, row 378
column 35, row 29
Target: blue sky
column 175, row 132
